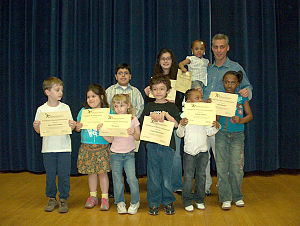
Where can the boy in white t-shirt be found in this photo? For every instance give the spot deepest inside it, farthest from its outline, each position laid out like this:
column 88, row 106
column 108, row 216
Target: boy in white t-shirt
column 56, row 149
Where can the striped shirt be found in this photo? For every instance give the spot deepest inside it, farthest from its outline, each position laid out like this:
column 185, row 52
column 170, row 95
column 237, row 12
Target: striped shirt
column 136, row 96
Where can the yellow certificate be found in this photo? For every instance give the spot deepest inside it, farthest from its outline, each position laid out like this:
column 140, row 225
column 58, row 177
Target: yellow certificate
column 225, row 103
column 157, row 132
column 202, row 114
column 184, row 81
column 116, row 125
column 172, row 93
column 54, row 123
column 90, row 118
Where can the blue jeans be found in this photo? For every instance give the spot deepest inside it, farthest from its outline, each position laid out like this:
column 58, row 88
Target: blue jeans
column 177, row 166
column 126, row 161
column 57, row 163
column 230, row 164
column 194, row 165
column 159, row 175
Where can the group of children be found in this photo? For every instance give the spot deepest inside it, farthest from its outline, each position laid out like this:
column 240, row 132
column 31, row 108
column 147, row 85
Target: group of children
column 98, row 155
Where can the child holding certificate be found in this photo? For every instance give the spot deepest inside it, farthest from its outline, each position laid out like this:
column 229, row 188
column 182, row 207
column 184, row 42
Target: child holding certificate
column 93, row 155
column 56, row 149
column 122, row 156
column 195, row 156
column 197, row 64
column 160, row 157
column 230, row 145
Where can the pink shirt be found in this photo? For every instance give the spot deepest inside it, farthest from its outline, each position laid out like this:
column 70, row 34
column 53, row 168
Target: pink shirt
column 125, row 144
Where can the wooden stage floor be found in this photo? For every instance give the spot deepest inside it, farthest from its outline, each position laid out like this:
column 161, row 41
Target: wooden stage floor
column 270, row 200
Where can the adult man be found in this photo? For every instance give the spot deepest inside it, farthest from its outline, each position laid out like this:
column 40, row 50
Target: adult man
column 215, row 73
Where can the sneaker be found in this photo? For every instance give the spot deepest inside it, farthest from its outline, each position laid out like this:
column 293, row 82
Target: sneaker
column 133, row 208
column 153, row 210
column 200, row 206
column 104, row 204
column 169, row 209
column 207, row 193
column 91, row 202
column 63, row 206
column 226, row 205
column 189, row 208
column 52, row 203
column 179, row 192
column 240, row 203
column 121, row 207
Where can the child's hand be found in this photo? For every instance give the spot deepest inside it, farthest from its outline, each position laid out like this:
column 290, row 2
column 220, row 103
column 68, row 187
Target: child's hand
column 158, row 117
column 99, row 126
column 184, row 121
column 244, row 92
column 183, row 69
column 130, row 131
column 208, row 100
column 147, row 90
column 216, row 124
column 78, row 126
column 36, row 124
column 72, row 124
column 236, row 119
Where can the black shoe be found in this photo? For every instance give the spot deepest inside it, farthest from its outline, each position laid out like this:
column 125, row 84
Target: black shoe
column 207, row 193
column 153, row 210
column 169, row 209
column 111, row 195
column 179, row 192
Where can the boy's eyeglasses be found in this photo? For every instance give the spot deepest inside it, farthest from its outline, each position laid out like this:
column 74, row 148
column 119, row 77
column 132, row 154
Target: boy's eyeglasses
column 123, row 73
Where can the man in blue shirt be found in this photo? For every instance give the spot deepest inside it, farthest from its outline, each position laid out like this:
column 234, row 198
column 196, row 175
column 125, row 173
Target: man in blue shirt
column 215, row 73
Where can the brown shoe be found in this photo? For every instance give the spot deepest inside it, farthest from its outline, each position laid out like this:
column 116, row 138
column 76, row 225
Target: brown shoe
column 63, row 206
column 52, row 203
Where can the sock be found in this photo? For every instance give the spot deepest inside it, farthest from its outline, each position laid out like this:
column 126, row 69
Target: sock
column 93, row 193
column 105, row 195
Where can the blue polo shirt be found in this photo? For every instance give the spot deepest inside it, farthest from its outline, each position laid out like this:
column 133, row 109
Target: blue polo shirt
column 215, row 78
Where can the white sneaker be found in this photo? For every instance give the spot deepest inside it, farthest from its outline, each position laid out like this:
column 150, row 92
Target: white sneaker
column 240, row 203
column 200, row 206
column 189, row 208
column 226, row 205
column 121, row 207
column 133, row 208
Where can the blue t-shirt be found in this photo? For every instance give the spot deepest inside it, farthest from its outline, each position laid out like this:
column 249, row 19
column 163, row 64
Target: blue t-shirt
column 91, row 136
column 227, row 123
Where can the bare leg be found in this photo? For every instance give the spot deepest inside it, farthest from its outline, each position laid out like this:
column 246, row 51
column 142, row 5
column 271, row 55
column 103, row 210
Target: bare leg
column 104, row 182
column 93, row 181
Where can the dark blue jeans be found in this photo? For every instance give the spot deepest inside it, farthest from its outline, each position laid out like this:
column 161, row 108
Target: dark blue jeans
column 57, row 163
column 194, row 165
column 159, row 175
column 230, row 164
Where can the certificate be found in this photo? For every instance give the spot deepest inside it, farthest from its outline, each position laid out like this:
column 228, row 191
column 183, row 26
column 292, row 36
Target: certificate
column 200, row 113
column 54, row 123
column 184, row 81
column 116, row 125
column 157, row 132
column 90, row 118
column 225, row 103
column 172, row 94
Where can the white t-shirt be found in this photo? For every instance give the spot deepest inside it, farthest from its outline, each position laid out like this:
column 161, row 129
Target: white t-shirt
column 61, row 143
column 198, row 68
